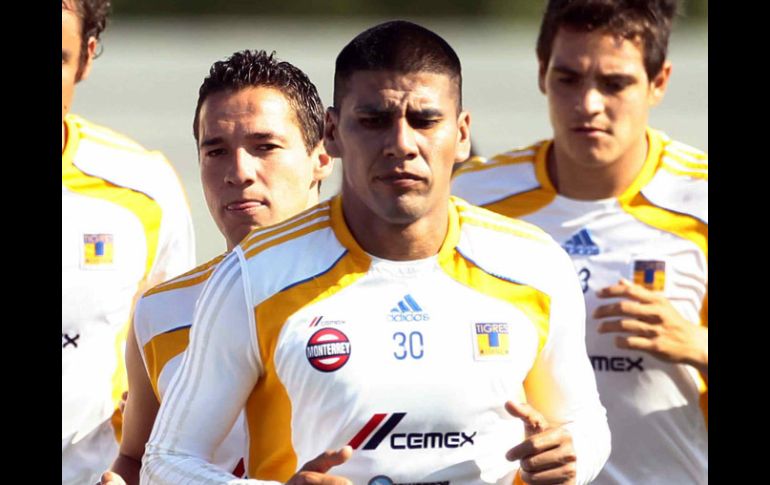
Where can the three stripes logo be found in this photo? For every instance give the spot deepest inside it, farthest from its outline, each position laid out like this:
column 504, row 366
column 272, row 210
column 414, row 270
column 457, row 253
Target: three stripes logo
column 403, row 441
column 581, row 244
column 408, row 310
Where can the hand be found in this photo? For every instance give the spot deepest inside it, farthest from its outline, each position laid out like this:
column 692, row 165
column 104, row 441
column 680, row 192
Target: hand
column 546, row 455
column 314, row 471
column 110, row 478
column 653, row 325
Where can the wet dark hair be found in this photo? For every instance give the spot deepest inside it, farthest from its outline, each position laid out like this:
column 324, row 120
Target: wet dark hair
column 647, row 22
column 399, row 46
column 250, row 68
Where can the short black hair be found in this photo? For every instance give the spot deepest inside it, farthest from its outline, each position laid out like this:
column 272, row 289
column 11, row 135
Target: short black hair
column 647, row 22
column 93, row 15
column 250, row 68
column 400, row 46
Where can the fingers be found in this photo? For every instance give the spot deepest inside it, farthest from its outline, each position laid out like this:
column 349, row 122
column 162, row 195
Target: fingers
column 628, row 308
column 110, row 478
column 562, row 475
column 534, row 422
column 626, row 289
column 636, row 343
column 328, row 459
column 315, row 478
column 538, row 444
column 634, row 327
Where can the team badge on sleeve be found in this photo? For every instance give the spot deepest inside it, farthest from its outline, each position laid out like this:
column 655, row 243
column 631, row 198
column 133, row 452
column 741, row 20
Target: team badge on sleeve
column 328, row 350
column 651, row 274
column 491, row 340
column 97, row 250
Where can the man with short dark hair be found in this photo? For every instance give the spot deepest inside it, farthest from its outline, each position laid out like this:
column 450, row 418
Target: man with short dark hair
column 630, row 206
column 126, row 226
column 356, row 325
column 258, row 127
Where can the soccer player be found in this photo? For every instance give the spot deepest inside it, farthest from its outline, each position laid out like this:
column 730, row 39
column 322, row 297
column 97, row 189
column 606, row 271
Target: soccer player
column 126, row 226
column 630, row 206
column 259, row 129
column 395, row 327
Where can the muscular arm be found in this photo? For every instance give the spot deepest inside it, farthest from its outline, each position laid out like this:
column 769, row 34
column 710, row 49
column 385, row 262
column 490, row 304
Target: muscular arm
column 138, row 415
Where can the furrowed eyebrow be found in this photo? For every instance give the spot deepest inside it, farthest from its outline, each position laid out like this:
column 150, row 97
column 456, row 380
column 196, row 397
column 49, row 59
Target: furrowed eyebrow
column 426, row 113
column 257, row 136
column 217, row 140
column 565, row 70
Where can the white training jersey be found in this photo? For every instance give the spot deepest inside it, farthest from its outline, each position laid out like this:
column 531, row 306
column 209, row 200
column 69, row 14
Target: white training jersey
column 125, row 227
column 410, row 363
column 656, row 234
column 162, row 321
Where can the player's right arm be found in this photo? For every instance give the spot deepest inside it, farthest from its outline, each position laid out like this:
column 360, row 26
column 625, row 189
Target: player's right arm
column 138, row 415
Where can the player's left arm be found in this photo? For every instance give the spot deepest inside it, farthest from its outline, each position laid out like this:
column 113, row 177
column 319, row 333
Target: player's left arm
column 567, row 439
column 647, row 321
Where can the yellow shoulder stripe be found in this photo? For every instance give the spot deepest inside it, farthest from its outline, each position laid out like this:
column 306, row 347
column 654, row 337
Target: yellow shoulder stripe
column 260, row 234
column 477, row 164
column 687, row 173
column 287, row 237
column 684, row 161
column 182, row 280
column 488, row 219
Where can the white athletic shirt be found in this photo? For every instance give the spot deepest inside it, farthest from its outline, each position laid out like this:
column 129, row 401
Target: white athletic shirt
column 408, row 362
column 655, row 233
column 162, row 321
column 125, row 227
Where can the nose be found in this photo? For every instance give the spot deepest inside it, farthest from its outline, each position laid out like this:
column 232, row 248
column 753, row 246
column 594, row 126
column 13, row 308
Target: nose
column 592, row 101
column 401, row 142
column 242, row 169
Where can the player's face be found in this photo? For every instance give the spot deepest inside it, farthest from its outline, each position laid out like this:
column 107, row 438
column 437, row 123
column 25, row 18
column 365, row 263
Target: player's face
column 70, row 58
column 254, row 164
column 398, row 136
column 599, row 96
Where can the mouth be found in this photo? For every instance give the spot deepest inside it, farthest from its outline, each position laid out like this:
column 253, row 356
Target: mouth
column 245, row 206
column 400, row 179
column 590, row 130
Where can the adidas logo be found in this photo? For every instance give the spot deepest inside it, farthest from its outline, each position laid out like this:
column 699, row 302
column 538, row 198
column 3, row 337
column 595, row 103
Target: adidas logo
column 581, row 244
column 407, row 310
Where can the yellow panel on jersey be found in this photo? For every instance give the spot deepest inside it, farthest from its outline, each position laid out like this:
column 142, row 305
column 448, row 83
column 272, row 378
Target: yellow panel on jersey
column 162, row 348
column 260, row 234
column 654, row 149
column 119, row 380
column 145, row 208
column 684, row 226
column 271, row 455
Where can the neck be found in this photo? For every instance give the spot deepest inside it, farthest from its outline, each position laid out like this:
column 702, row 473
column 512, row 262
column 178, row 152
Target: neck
column 586, row 181
column 419, row 239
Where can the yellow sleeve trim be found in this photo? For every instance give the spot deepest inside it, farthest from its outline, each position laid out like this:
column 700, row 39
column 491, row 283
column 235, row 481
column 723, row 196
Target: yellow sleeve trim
column 184, row 280
column 476, row 164
column 162, row 348
column 287, row 237
column 671, row 169
column 684, row 161
column 271, row 454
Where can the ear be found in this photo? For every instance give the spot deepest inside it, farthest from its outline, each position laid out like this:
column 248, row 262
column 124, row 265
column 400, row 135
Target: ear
column 463, row 137
column 659, row 85
column 541, row 70
column 331, row 142
column 91, row 46
column 323, row 163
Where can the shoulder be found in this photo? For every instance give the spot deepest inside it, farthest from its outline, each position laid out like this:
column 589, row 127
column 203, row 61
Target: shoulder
column 510, row 248
column 483, row 181
column 277, row 257
column 106, row 154
column 680, row 183
column 171, row 304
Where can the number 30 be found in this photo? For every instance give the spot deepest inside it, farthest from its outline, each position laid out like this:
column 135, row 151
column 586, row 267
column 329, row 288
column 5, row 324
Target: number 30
column 408, row 346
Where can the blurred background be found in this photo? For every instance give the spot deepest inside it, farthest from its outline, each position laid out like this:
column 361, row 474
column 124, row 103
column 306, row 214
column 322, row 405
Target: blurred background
column 157, row 52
